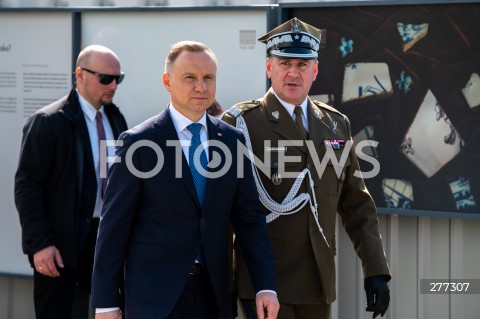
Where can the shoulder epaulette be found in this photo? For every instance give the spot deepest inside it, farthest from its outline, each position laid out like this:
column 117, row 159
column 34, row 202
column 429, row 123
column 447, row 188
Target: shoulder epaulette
column 240, row 108
column 327, row 107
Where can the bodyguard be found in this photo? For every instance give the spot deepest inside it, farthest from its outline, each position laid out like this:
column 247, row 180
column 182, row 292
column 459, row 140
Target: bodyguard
column 58, row 186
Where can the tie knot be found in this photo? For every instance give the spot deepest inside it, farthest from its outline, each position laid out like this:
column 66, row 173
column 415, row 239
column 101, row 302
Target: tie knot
column 98, row 115
column 298, row 110
column 299, row 121
column 195, row 128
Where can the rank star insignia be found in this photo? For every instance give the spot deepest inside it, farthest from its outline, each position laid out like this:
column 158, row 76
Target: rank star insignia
column 334, row 144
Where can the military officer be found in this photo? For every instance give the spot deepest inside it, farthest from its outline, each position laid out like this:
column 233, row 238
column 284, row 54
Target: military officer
column 290, row 135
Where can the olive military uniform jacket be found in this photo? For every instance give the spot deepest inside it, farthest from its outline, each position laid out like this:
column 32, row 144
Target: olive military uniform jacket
column 304, row 261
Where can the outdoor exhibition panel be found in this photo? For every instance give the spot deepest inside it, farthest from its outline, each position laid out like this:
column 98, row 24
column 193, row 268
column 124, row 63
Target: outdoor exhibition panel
column 35, row 70
column 407, row 76
column 142, row 40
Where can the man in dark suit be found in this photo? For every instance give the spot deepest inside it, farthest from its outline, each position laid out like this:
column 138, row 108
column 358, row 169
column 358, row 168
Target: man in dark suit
column 58, row 185
column 302, row 198
column 165, row 221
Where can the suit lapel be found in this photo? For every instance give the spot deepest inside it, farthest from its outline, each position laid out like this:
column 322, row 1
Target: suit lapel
column 165, row 131
column 112, row 116
column 71, row 111
column 319, row 130
column 82, row 131
column 215, row 133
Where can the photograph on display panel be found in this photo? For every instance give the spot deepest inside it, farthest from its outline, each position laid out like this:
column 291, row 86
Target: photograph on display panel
column 407, row 76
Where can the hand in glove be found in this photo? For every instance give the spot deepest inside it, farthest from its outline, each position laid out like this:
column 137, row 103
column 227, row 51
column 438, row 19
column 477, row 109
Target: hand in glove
column 378, row 294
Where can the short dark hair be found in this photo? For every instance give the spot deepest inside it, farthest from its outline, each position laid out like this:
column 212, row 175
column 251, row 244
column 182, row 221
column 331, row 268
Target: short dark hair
column 190, row 46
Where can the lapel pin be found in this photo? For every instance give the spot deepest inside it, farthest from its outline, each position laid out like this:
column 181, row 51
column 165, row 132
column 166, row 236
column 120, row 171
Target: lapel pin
column 276, row 114
column 334, row 130
column 219, row 134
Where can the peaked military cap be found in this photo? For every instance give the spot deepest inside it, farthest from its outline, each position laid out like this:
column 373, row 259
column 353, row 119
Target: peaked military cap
column 293, row 39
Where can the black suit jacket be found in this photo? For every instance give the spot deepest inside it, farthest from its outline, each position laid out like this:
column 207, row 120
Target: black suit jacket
column 55, row 182
column 154, row 225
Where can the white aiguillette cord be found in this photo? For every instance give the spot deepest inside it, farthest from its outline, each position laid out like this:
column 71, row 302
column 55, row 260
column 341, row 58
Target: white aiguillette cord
column 290, row 204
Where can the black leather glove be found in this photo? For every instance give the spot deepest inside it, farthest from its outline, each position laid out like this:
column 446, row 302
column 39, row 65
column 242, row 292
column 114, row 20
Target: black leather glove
column 378, row 294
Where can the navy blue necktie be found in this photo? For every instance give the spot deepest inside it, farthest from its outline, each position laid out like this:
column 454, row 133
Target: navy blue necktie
column 199, row 180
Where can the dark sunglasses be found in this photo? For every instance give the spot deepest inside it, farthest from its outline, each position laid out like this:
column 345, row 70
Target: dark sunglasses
column 106, row 79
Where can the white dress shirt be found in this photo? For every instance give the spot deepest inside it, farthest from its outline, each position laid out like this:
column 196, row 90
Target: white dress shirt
column 89, row 113
column 181, row 122
column 290, row 107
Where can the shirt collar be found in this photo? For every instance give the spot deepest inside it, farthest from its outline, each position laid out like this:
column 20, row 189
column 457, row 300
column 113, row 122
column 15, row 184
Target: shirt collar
column 87, row 108
column 290, row 107
column 181, row 122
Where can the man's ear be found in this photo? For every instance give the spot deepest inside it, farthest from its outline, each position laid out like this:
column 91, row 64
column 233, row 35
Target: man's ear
column 315, row 70
column 269, row 67
column 166, row 81
column 78, row 74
